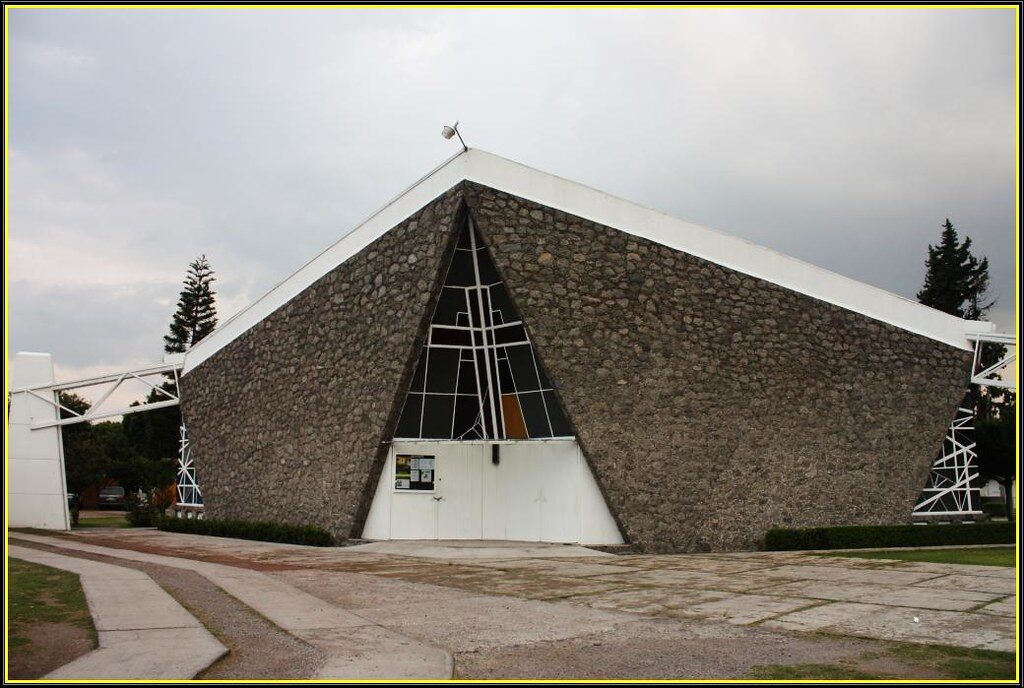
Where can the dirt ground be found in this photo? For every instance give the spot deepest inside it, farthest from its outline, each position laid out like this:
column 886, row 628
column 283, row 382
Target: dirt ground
column 660, row 650
column 48, row 623
column 47, row 646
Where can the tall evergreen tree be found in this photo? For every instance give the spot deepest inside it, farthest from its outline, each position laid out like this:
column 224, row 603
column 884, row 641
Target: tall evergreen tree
column 197, row 311
column 154, row 433
column 956, row 282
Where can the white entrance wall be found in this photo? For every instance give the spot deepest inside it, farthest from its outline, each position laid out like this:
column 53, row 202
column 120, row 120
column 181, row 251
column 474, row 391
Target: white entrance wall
column 36, row 491
column 539, row 491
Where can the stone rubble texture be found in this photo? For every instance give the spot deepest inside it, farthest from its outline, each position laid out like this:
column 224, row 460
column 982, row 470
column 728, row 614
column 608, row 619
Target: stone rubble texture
column 711, row 405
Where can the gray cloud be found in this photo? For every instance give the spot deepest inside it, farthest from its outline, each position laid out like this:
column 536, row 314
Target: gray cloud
column 140, row 139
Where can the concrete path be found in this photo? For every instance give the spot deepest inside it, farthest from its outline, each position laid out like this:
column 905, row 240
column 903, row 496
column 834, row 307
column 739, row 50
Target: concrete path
column 474, row 549
column 354, row 647
column 143, row 632
column 946, row 604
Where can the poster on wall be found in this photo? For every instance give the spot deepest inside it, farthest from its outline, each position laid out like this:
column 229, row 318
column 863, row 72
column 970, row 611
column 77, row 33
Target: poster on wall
column 414, row 472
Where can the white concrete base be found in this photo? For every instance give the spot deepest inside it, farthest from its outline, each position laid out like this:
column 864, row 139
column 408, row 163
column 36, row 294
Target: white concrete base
column 537, row 491
column 143, row 632
column 36, row 489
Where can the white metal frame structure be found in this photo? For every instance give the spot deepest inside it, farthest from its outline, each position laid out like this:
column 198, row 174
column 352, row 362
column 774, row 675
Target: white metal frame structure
column 49, row 393
column 985, row 376
column 951, row 490
column 189, row 493
column 45, row 398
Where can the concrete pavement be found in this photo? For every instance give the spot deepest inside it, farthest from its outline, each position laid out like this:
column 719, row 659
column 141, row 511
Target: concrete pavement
column 354, row 647
column 472, row 597
column 967, row 606
column 143, row 632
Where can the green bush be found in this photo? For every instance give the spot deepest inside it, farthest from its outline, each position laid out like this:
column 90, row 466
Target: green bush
column 870, row 537
column 249, row 530
column 140, row 511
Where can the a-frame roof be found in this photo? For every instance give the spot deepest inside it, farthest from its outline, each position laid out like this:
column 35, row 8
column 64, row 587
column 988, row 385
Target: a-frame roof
column 576, row 199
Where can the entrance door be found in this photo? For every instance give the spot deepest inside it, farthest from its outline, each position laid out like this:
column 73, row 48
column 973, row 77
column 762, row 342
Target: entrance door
column 458, row 492
column 534, row 497
column 428, row 491
column 537, row 491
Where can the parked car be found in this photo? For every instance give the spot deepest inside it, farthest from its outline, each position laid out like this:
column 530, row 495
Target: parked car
column 111, row 497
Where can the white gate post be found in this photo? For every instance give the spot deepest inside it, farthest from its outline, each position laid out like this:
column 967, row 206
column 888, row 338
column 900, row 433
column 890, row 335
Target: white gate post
column 37, row 492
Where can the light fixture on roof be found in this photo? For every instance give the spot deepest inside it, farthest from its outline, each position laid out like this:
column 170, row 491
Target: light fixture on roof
column 450, row 130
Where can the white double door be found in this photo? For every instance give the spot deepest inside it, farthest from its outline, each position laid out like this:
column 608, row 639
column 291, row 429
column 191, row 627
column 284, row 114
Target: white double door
column 538, row 491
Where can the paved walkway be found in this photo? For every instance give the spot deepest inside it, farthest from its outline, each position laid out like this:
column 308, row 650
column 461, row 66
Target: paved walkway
column 143, row 632
column 967, row 606
column 353, row 646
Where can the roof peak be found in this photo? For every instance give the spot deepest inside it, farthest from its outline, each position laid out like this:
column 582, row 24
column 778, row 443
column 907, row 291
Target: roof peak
column 502, row 174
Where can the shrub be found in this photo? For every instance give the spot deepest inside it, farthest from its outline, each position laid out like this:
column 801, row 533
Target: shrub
column 867, row 537
column 164, row 497
column 249, row 530
column 140, row 511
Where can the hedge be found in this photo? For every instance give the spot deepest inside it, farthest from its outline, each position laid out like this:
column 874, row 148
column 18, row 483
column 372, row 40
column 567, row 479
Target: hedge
column 249, row 530
column 864, row 537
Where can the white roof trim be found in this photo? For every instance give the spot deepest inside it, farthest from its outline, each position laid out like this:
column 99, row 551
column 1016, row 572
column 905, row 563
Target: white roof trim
column 576, row 199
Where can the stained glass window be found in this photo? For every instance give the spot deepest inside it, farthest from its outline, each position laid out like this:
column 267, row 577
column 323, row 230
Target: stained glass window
column 478, row 376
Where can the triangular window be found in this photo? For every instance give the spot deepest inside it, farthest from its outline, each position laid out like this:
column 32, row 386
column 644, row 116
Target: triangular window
column 478, row 376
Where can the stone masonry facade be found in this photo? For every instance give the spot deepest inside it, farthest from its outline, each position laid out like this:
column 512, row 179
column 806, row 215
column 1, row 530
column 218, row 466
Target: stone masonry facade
column 291, row 418
column 711, row 405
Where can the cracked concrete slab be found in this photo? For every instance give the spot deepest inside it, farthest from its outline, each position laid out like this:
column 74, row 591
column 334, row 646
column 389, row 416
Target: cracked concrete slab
column 688, row 578
column 648, row 600
column 849, row 575
column 984, row 584
column 946, row 569
column 747, row 609
column 897, row 596
column 903, row 624
column 467, row 621
column 1004, row 607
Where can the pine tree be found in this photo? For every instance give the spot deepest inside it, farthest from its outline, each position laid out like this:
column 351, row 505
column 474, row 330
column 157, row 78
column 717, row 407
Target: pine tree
column 155, row 433
column 196, row 316
column 956, row 282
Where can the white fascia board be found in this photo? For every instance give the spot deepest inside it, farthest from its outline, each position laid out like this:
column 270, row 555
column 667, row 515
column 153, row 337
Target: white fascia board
column 597, row 206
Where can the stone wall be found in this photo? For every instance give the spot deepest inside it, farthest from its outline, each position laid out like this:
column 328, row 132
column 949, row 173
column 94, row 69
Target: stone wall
column 287, row 421
column 713, row 405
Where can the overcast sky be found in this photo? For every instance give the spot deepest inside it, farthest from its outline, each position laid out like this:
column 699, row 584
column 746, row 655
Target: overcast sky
column 140, row 139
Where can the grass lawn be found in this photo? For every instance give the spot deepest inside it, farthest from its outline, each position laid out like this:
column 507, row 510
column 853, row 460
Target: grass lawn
column 903, row 661
column 979, row 556
column 48, row 620
column 103, row 522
